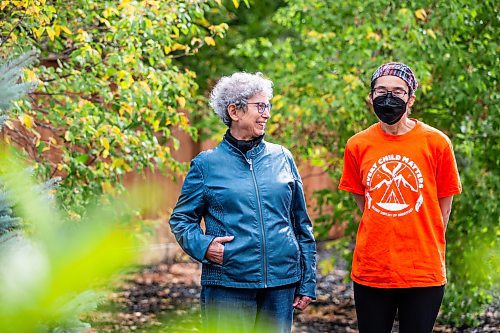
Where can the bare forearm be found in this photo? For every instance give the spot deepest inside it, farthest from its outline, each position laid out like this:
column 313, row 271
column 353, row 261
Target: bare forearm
column 445, row 206
column 360, row 201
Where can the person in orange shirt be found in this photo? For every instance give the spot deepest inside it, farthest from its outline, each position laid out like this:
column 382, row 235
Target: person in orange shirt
column 403, row 176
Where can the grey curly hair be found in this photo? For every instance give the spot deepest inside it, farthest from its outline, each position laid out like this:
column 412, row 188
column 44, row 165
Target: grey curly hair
column 237, row 89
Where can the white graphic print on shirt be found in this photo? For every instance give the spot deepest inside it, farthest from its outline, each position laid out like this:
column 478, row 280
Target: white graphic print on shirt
column 394, row 184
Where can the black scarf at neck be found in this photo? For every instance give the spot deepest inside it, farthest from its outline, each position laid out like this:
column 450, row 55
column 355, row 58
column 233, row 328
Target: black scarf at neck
column 243, row 145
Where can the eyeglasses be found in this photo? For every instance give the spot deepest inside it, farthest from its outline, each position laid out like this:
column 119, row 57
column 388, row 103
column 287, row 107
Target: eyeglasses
column 261, row 107
column 383, row 91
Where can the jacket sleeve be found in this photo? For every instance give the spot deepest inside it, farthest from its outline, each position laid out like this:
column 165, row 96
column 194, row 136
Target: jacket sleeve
column 304, row 233
column 187, row 215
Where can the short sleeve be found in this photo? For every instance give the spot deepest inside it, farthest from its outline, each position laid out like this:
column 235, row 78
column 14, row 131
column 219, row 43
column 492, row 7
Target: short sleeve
column 447, row 177
column 351, row 174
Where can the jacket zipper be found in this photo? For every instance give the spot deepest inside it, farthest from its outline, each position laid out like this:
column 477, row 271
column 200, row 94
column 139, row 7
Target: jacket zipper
column 250, row 162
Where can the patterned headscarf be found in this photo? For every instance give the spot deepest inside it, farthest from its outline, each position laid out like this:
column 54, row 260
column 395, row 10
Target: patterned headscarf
column 397, row 69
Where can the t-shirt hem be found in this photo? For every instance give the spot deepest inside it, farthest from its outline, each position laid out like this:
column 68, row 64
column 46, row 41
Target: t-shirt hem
column 399, row 285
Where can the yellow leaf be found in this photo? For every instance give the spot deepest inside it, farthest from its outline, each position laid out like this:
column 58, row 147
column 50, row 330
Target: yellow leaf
column 74, row 216
column 26, row 120
column 105, row 153
column 373, row 35
column 421, row 14
column 236, row 3
column 105, row 143
column 183, row 122
column 126, row 84
column 178, row 46
column 107, row 187
column 65, row 30
column 403, row 11
column 181, row 101
column 51, row 33
column 116, row 130
column 125, row 108
column 30, row 75
column 145, row 87
column 117, row 163
column 431, row 33
column 126, row 80
column 38, row 32
column 129, row 58
column 210, row 41
column 349, row 78
column 67, row 136
column 156, row 125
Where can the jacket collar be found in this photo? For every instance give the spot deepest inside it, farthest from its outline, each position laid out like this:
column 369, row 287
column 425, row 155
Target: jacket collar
column 252, row 153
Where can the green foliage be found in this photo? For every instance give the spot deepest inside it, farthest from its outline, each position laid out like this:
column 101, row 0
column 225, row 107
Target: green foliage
column 473, row 249
column 9, row 224
column 112, row 91
column 45, row 279
column 10, row 89
column 321, row 56
column 28, row 266
column 70, row 321
column 246, row 22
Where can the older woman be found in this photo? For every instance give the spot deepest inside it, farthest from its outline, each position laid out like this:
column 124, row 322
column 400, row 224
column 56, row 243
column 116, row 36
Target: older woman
column 403, row 176
column 258, row 249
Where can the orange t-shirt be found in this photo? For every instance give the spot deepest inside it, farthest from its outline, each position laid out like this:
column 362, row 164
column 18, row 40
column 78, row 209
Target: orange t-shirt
column 401, row 236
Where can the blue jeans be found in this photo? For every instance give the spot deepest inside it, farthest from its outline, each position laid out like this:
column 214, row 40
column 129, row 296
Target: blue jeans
column 241, row 310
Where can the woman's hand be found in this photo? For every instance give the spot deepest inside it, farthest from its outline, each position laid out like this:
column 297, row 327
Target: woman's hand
column 215, row 252
column 301, row 302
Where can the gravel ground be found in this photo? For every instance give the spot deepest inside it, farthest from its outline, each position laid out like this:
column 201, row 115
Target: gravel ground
column 164, row 298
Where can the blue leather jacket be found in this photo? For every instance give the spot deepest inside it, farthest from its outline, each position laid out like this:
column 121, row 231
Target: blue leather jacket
column 258, row 198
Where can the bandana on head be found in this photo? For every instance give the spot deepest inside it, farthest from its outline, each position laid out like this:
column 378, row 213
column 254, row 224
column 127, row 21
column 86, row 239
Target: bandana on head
column 397, row 69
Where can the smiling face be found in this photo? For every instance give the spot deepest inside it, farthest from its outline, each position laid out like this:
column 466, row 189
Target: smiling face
column 247, row 123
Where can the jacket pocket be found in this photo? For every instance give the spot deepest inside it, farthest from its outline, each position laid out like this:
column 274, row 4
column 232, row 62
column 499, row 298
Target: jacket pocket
column 284, row 256
column 241, row 261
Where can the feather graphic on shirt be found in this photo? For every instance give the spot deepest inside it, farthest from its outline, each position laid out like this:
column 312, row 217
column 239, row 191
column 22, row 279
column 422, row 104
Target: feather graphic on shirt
column 369, row 200
column 419, row 202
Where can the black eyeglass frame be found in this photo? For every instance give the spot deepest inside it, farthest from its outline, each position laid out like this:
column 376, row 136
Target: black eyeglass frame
column 261, row 106
column 390, row 91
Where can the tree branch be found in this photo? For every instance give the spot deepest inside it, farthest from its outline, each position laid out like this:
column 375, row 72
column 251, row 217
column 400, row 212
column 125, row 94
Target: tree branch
column 14, row 27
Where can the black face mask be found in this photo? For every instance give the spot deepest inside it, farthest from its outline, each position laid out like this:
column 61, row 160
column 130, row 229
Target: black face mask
column 389, row 109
